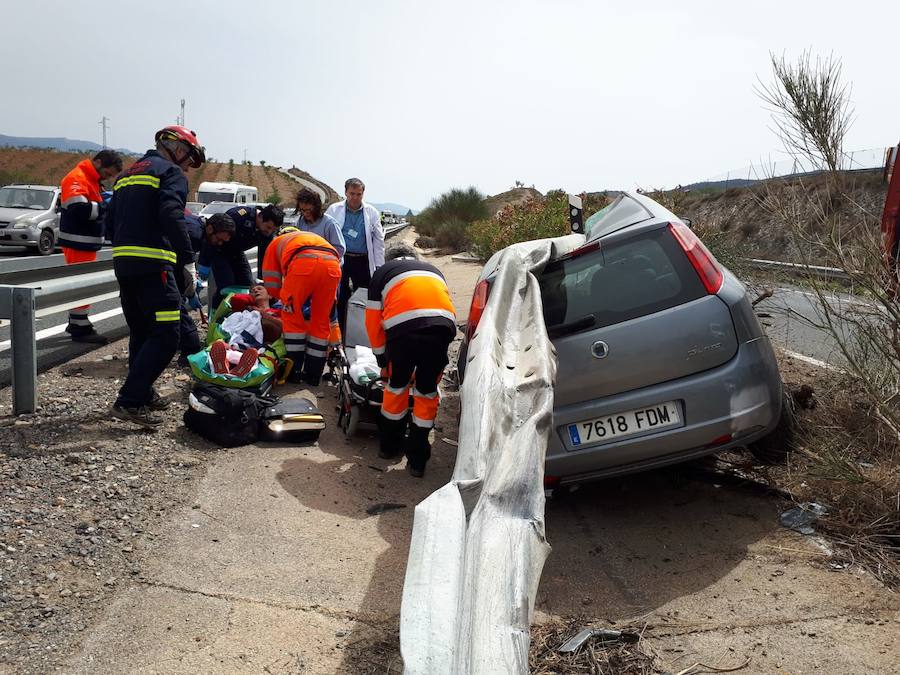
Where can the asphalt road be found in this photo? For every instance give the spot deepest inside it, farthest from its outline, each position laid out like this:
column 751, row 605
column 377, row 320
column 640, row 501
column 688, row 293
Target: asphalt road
column 792, row 317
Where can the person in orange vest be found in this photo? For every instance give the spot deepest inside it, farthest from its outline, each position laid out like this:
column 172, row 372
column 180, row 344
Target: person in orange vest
column 81, row 227
column 300, row 266
column 410, row 321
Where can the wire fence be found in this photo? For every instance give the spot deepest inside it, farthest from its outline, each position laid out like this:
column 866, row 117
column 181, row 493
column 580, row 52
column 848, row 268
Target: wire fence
column 856, row 160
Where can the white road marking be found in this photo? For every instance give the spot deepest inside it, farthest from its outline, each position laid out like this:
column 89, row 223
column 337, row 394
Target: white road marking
column 66, row 306
column 812, row 361
column 61, row 328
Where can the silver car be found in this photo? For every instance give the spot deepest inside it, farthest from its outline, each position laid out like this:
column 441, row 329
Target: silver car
column 661, row 357
column 29, row 216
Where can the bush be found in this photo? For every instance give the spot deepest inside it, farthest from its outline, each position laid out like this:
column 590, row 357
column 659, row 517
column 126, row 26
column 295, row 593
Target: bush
column 526, row 221
column 447, row 217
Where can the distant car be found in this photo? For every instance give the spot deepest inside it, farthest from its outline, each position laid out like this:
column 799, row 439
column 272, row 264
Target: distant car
column 195, row 207
column 213, row 208
column 29, row 216
column 661, row 358
column 222, row 207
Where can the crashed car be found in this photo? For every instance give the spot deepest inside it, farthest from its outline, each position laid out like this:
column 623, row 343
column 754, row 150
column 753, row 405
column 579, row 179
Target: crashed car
column 661, row 357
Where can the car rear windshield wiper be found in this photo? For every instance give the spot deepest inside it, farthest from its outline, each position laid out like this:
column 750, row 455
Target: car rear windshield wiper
column 583, row 323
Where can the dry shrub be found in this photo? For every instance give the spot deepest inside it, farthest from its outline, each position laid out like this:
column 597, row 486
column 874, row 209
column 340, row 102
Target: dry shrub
column 847, row 460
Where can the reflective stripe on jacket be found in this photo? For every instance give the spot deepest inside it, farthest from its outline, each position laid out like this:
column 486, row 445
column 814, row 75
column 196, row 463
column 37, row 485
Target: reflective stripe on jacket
column 406, row 296
column 80, row 225
column 283, row 250
column 146, row 217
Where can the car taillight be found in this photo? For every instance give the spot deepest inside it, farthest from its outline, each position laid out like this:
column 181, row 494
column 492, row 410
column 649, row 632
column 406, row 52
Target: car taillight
column 703, row 262
column 476, row 309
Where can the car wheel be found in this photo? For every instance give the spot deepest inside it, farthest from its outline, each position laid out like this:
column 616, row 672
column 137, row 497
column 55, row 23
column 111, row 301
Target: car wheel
column 46, row 242
column 777, row 445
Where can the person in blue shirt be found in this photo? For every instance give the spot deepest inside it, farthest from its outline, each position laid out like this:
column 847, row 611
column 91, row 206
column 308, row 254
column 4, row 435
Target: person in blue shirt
column 314, row 219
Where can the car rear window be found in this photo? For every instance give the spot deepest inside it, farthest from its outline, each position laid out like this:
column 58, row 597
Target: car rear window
column 622, row 212
column 625, row 280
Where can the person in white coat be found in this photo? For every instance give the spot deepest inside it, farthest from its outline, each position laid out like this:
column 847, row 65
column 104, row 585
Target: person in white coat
column 363, row 232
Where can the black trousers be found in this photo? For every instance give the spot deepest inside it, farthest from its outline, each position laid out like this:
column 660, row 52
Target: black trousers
column 422, row 354
column 151, row 304
column 355, row 270
column 189, row 341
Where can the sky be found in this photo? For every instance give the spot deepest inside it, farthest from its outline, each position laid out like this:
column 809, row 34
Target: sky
column 419, row 97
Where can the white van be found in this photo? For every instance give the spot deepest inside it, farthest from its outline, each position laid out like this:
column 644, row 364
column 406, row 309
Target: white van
column 237, row 193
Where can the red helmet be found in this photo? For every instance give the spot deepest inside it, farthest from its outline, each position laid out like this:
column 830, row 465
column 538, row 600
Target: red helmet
column 175, row 132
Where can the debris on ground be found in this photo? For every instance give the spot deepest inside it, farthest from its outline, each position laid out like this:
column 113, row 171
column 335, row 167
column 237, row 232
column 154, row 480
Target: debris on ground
column 377, row 509
column 596, row 654
column 801, row 518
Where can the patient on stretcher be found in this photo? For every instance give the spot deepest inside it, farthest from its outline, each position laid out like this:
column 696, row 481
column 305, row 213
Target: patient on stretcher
column 258, row 299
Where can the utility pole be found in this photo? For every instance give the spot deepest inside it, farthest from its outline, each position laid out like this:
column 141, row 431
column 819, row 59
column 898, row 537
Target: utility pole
column 103, row 124
column 181, row 116
column 245, row 155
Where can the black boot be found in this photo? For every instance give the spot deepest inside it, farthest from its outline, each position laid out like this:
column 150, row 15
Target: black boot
column 390, row 437
column 417, row 450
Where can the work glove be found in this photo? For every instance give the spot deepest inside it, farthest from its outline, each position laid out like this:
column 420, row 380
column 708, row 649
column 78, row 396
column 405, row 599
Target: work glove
column 203, row 272
column 194, row 302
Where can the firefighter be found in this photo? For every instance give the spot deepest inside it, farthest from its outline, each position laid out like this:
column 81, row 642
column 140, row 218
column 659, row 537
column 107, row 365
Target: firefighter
column 228, row 263
column 300, row 266
column 150, row 241
column 81, row 227
column 411, row 322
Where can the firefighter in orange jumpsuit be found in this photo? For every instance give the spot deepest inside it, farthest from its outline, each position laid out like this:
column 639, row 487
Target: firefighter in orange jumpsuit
column 410, row 321
column 300, row 266
column 81, row 227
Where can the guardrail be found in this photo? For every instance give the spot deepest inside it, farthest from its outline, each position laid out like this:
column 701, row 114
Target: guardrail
column 17, row 305
column 478, row 544
column 832, row 273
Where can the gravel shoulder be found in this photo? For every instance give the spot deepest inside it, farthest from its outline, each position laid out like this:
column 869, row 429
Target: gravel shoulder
column 122, row 551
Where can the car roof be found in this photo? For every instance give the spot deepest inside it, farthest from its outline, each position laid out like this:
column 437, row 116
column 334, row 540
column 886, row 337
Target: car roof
column 33, row 187
column 626, row 210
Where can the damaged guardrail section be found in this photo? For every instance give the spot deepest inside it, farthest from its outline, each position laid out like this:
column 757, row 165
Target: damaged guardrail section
column 478, row 544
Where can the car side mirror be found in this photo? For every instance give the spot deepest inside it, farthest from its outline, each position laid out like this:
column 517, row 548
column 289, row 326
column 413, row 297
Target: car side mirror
column 688, row 222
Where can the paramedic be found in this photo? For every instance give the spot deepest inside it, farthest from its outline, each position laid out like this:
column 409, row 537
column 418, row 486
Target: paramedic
column 300, row 266
column 411, row 322
column 81, row 227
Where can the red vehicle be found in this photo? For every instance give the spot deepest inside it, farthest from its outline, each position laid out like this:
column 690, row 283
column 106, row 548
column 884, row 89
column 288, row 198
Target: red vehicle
column 889, row 218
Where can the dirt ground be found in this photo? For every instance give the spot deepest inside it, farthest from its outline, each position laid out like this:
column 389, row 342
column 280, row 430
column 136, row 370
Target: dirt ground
column 122, row 551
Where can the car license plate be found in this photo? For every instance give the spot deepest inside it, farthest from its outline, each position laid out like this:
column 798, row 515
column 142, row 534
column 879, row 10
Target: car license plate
column 625, row 424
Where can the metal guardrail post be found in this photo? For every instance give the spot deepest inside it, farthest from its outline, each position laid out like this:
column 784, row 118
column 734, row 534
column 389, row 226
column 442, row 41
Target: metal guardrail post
column 24, row 351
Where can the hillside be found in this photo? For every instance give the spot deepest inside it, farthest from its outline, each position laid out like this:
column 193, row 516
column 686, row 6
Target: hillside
column 737, row 219
column 47, row 167
column 514, row 196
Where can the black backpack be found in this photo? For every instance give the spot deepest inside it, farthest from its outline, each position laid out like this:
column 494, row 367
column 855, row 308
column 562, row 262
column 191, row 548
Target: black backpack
column 227, row 417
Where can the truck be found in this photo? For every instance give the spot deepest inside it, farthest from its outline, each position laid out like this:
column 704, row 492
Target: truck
column 237, row 193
